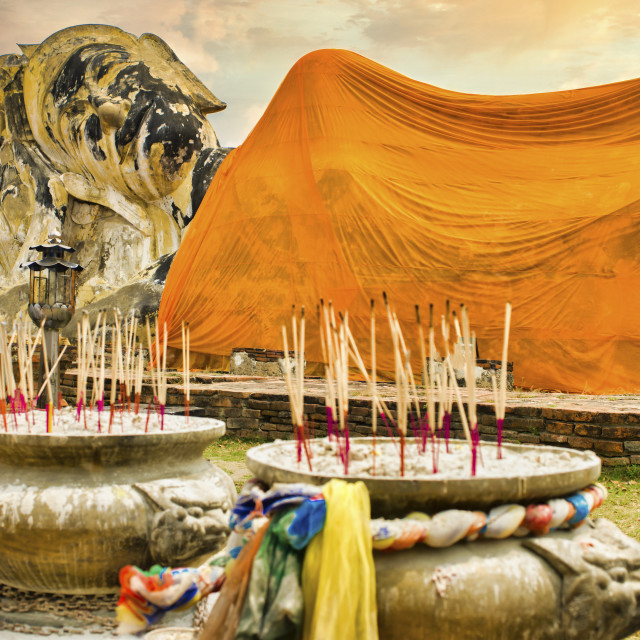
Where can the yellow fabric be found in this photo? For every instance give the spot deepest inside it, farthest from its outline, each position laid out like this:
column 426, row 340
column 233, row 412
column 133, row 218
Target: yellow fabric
column 359, row 180
column 338, row 576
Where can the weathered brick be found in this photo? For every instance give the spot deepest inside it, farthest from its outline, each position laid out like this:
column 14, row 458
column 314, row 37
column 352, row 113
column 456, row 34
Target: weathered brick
column 623, row 418
column 524, row 424
column 590, row 430
column 225, row 401
column 634, row 459
column 230, row 412
column 528, row 438
column 567, row 415
column 486, row 419
column 615, row 462
column 242, row 423
column 608, row 447
column 485, row 430
column 526, row 410
column 621, row 433
column 578, row 442
column 359, row 411
column 261, row 405
column 250, row 413
column 553, row 438
column 633, row 446
column 561, row 428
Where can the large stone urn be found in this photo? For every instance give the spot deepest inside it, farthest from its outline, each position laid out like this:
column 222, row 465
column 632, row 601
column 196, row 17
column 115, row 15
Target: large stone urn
column 582, row 583
column 75, row 508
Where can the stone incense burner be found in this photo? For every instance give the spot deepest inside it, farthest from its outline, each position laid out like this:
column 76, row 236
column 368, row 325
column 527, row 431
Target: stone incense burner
column 582, row 583
column 75, row 508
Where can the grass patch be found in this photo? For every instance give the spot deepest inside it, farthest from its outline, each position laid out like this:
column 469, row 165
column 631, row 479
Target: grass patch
column 230, row 448
column 229, row 454
column 621, row 507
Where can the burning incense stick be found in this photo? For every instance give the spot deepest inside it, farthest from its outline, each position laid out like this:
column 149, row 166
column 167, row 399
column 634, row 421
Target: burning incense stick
column 47, row 382
column 374, row 389
column 49, row 406
column 3, row 388
column 500, row 397
column 470, row 378
column 327, row 358
column 151, row 368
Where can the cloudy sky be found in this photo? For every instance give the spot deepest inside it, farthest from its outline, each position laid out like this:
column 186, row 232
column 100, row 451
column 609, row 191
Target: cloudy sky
column 242, row 49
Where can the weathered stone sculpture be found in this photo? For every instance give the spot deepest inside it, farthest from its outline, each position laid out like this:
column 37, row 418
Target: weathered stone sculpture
column 104, row 137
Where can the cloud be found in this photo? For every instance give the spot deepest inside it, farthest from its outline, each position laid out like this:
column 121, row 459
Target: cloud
column 242, row 49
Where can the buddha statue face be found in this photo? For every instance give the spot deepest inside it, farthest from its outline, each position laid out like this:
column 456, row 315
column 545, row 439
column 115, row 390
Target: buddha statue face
column 123, row 112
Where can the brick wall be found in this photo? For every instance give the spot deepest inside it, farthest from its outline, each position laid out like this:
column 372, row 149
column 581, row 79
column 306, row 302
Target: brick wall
column 614, row 436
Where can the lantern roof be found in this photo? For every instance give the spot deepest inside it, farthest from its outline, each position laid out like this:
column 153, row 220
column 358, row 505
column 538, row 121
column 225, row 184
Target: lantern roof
column 56, row 264
column 54, row 241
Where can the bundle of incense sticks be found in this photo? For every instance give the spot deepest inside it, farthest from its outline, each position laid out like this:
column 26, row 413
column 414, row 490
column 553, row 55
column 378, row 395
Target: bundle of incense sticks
column 401, row 359
column 337, row 396
column 161, row 372
column 20, row 393
column 500, row 398
column 340, row 355
column 377, row 404
column 138, row 379
column 429, row 426
column 130, row 327
column 295, row 383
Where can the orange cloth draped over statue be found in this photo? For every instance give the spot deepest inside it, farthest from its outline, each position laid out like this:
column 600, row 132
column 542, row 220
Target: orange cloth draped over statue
column 359, row 180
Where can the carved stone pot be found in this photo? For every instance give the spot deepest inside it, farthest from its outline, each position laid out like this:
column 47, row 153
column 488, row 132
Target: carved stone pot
column 580, row 584
column 76, row 508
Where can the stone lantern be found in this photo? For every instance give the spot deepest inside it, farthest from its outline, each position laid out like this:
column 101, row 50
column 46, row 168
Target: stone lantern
column 52, row 299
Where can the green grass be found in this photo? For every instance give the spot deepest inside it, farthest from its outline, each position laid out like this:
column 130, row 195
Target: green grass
column 229, row 454
column 621, row 507
column 230, row 448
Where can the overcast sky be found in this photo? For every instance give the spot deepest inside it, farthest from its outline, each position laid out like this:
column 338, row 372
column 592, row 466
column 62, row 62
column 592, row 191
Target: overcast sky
column 242, row 49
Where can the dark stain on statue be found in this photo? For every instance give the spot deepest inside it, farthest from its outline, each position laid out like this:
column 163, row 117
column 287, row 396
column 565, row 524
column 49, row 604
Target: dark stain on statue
column 74, row 73
column 93, row 133
column 178, row 133
column 206, row 166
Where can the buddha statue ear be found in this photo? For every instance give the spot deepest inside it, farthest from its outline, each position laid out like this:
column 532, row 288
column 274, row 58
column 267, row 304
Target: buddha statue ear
column 28, row 49
column 202, row 97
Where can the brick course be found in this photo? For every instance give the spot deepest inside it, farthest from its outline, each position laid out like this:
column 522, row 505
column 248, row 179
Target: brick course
column 260, row 408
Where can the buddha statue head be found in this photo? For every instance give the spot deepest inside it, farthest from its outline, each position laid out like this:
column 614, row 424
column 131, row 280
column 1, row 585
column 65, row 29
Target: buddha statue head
column 121, row 112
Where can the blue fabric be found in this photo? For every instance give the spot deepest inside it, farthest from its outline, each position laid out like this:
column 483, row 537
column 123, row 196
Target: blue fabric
column 282, row 496
column 307, row 521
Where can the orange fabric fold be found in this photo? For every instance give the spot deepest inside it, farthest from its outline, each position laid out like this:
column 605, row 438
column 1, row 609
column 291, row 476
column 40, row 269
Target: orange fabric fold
column 359, row 180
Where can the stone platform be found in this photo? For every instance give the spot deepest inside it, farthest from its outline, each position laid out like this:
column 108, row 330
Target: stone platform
column 259, row 407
